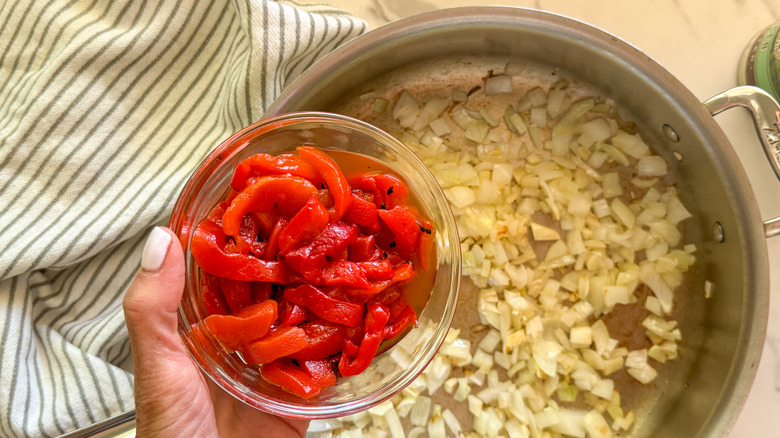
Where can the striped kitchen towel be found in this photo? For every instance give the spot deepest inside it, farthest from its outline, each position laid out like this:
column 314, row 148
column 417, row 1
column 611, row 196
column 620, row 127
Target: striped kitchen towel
column 106, row 106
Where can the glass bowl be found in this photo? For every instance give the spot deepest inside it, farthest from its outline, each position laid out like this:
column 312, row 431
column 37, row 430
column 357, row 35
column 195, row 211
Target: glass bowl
column 389, row 372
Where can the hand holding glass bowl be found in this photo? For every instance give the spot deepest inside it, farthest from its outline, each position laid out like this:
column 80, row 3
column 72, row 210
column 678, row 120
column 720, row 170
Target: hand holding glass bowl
column 390, row 371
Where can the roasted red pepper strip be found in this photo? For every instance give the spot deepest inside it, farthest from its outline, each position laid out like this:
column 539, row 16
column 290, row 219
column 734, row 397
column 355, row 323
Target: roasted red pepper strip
column 406, row 231
column 266, row 221
column 291, row 314
column 394, row 190
column 272, row 248
column 363, row 213
column 387, row 190
column 307, row 224
column 286, row 194
column 334, row 178
column 310, row 260
column 265, row 164
column 344, row 273
column 324, row 339
column 375, row 322
column 281, row 342
column 236, row 331
column 426, row 245
column 208, row 249
column 261, row 291
column 246, row 242
column 238, row 294
column 284, row 374
column 402, row 273
column 361, row 249
column 406, row 318
column 320, row 371
column 325, row 306
column 377, row 269
column 211, row 294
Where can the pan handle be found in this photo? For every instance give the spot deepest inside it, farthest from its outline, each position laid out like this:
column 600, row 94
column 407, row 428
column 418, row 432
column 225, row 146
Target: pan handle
column 766, row 116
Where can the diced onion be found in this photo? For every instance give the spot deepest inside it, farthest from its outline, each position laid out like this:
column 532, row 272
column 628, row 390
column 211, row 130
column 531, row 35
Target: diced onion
column 562, row 215
column 498, row 85
column 651, row 166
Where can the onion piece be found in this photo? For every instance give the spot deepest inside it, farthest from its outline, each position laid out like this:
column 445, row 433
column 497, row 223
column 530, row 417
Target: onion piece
column 498, row 85
column 406, row 109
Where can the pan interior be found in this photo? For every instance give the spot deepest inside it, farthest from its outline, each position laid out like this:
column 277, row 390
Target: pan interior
column 698, row 394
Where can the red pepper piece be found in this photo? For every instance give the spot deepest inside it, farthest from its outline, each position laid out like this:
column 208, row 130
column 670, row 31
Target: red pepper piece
column 246, row 242
column 402, row 273
column 405, row 318
column 240, row 177
column 361, row 249
column 211, row 295
column 392, row 189
column 310, row 260
column 354, row 336
column 238, row 294
column 344, row 273
column 230, row 196
column 320, row 371
column 291, row 314
column 325, row 198
column 236, row 331
column 376, row 319
column 261, row 291
column 334, row 178
column 378, row 254
column 390, row 297
column 363, row 213
column 377, row 269
column 272, row 248
column 266, row 221
column 281, row 342
column 208, row 249
column 388, row 191
column 284, row 374
column 403, row 224
column 307, row 224
column 285, row 194
column 426, row 245
column 266, row 164
column 325, row 306
column 324, row 339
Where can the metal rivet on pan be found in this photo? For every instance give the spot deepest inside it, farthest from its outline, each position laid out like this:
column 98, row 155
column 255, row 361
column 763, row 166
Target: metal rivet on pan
column 717, row 232
column 670, row 133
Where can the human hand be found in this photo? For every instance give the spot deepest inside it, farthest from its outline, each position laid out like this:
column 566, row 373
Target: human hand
column 172, row 397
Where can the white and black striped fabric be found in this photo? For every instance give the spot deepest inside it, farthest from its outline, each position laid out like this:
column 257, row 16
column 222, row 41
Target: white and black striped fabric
column 106, row 106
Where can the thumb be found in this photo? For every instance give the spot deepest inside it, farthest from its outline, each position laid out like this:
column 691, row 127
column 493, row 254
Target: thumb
column 152, row 300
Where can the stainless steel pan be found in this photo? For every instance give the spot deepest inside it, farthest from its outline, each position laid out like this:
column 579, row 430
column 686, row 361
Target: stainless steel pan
column 702, row 394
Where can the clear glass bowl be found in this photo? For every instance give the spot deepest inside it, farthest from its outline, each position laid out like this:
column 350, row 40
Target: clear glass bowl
column 385, row 377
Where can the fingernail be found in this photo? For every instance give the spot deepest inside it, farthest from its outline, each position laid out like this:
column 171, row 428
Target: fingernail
column 155, row 249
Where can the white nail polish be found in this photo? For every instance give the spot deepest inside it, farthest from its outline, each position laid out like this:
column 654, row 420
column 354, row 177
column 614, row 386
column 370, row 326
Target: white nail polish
column 155, row 249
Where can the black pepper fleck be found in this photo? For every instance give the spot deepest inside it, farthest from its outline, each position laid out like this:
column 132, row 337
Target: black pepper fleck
column 392, row 244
